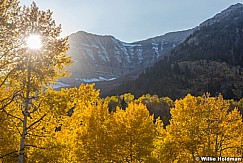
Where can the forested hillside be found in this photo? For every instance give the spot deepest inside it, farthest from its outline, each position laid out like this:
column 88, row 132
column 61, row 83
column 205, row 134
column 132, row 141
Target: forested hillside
column 210, row 60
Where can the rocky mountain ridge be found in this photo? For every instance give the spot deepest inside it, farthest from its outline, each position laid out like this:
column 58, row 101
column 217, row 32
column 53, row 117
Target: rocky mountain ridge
column 104, row 58
column 209, row 60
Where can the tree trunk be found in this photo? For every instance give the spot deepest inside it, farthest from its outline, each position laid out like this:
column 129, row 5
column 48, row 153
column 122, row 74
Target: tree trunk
column 25, row 113
column 22, row 139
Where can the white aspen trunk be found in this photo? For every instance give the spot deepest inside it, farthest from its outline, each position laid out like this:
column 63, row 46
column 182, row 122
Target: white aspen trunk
column 22, row 139
column 25, row 113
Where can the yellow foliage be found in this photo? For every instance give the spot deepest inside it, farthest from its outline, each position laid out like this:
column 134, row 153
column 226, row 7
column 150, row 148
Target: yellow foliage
column 202, row 126
column 133, row 134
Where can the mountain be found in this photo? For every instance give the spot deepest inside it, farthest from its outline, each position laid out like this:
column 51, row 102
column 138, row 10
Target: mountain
column 104, row 58
column 218, row 38
column 209, row 60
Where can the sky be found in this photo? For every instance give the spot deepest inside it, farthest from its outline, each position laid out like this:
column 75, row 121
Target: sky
column 130, row 20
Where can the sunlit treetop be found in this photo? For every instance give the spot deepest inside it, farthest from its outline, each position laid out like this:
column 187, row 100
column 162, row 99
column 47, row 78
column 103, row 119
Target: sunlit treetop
column 39, row 37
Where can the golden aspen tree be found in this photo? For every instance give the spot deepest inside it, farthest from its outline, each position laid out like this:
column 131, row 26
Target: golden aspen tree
column 68, row 107
column 33, row 69
column 80, row 106
column 46, row 115
column 203, row 126
column 133, row 132
column 42, row 137
column 92, row 139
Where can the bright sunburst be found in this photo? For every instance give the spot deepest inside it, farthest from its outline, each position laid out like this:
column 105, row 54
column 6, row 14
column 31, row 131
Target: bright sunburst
column 34, row 42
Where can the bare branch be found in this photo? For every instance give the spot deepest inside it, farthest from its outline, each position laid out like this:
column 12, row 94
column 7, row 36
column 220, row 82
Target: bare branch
column 12, row 115
column 36, row 107
column 18, row 130
column 32, row 128
column 11, row 100
column 40, row 136
column 31, row 145
column 2, row 120
column 4, row 106
column 34, row 123
column 2, row 156
column 6, row 77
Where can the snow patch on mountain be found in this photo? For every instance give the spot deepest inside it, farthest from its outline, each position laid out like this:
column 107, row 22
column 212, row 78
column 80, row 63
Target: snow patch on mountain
column 60, row 85
column 140, row 54
column 118, row 56
column 155, row 47
column 95, row 79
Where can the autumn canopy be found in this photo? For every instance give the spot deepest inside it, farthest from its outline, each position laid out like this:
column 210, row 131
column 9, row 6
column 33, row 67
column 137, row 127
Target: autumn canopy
column 40, row 124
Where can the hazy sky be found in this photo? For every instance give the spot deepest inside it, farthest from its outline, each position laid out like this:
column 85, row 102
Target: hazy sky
column 131, row 20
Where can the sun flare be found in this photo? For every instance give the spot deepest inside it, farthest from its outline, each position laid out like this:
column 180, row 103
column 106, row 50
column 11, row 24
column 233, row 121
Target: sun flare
column 34, row 42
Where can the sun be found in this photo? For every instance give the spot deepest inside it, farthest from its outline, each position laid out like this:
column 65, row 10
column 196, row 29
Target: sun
column 34, row 42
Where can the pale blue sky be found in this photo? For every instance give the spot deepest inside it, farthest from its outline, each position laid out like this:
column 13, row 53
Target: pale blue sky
column 131, row 20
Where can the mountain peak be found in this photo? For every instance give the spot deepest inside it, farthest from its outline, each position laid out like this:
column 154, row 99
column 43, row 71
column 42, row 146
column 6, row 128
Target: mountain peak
column 231, row 12
column 236, row 5
column 81, row 34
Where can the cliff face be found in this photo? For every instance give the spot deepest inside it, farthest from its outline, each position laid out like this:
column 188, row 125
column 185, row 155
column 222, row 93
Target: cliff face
column 104, row 58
